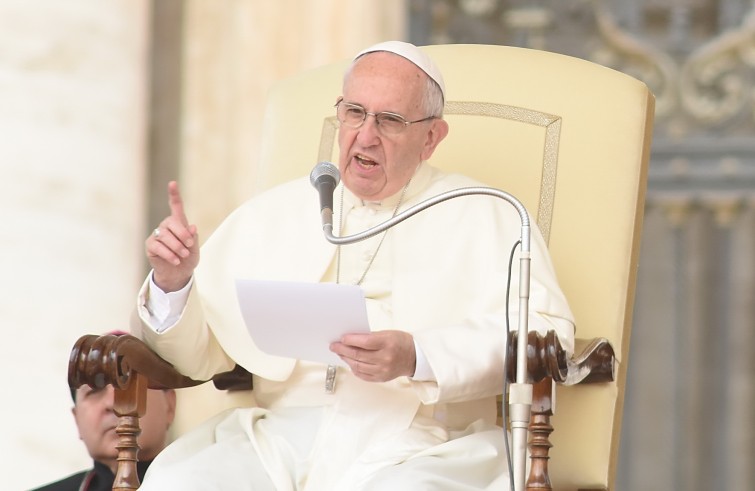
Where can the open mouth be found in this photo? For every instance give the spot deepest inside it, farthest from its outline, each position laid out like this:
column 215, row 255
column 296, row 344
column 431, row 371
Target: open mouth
column 365, row 162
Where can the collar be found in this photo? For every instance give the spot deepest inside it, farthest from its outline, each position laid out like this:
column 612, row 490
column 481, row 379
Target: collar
column 419, row 182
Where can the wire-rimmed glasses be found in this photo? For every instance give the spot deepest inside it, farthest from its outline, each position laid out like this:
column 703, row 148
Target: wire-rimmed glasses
column 354, row 116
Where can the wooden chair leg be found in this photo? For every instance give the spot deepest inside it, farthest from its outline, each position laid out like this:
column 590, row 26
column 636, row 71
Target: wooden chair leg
column 130, row 404
column 540, row 431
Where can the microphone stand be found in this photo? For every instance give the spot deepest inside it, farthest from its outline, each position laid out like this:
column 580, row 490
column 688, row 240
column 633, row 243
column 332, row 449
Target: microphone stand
column 520, row 392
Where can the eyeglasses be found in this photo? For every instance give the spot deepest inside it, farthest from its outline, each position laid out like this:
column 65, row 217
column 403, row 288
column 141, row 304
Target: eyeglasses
column 388, row 123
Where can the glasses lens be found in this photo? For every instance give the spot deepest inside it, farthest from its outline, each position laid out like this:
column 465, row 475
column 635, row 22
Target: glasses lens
column 390, row 123
column 351, row 115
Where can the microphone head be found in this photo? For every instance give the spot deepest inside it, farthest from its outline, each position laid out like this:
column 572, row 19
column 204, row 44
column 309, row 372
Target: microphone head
column 324, row 170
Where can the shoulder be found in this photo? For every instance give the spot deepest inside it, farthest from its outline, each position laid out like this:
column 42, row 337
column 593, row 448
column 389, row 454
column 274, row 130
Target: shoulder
column 441, row 180
column 298, row 189
column 482, row 201
column 70, row 483
column 281, row 199
column 283, row 212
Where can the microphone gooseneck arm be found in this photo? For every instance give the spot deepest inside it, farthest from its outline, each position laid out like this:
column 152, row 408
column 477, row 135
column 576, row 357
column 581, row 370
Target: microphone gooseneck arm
column 327, row 227
column 520, row 393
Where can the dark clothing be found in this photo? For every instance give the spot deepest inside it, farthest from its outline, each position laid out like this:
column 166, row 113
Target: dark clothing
column 100, row 478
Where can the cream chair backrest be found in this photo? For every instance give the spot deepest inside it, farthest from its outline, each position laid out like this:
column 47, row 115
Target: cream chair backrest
column 571, row 140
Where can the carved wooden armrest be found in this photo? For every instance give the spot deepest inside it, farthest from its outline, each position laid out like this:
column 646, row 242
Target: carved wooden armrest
column 547, row 362
column 595, row 363
column 130, row 366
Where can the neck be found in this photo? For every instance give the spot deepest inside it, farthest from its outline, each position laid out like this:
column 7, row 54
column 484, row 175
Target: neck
column 110, row 463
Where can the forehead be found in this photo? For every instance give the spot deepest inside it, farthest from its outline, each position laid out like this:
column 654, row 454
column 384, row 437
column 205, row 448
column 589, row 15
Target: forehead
column 86, row 389
column 384, row 78
column 83, row 388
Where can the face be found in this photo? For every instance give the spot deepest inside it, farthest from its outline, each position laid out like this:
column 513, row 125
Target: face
column 372, row 165
column 96, row 421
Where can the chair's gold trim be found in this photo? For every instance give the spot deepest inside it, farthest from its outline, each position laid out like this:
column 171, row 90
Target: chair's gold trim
column 551, row 124
column 327, row 139
column 548, row 184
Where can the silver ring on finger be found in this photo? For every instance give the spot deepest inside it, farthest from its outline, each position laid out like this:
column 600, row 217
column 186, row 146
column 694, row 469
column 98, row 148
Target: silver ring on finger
column 156, row 232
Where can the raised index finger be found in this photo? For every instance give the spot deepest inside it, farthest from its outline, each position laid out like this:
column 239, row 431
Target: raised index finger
column 176, row 203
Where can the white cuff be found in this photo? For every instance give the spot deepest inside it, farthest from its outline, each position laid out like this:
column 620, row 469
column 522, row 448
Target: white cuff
column 422, row 371
column 165, row 308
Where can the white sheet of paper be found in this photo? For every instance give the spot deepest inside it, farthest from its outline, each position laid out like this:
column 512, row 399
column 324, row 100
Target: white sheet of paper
column 300, row 320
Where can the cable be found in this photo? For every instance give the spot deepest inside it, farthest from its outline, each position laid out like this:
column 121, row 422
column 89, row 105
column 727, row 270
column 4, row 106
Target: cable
column 504, row 413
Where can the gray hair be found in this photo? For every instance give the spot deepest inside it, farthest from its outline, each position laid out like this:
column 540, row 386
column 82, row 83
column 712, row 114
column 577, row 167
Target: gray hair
column 432, row 100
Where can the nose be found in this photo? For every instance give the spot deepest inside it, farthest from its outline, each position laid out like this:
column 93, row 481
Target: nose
column 109, row 398
column 369, row 133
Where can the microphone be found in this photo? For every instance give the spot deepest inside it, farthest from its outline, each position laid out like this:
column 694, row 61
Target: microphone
column 325, row 177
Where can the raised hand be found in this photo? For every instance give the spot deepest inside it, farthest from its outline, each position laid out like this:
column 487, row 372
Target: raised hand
column 378, row 356
column 172, row 248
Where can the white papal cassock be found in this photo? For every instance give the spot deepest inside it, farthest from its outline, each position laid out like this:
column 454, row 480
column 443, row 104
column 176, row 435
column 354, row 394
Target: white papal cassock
column 440, row 275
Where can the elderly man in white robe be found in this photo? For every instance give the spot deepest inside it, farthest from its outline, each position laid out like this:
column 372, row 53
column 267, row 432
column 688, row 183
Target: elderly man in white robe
column 414, row 407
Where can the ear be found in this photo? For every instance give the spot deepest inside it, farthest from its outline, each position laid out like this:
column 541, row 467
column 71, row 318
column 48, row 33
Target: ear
column 170, row 399
column 437, row 132
column 73, row 412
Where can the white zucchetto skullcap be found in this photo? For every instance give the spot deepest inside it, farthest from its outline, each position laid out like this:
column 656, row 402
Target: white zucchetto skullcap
column 413, row 54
